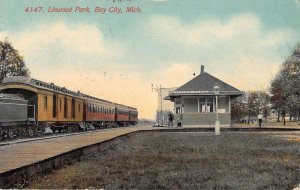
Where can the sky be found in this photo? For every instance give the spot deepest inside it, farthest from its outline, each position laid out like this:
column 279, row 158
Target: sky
column 117, row 56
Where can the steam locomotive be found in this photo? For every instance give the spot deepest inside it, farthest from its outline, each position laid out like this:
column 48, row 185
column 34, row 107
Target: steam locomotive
column 29, row 106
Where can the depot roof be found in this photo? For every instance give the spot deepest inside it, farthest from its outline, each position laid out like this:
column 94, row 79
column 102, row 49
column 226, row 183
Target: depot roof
column 203, row 84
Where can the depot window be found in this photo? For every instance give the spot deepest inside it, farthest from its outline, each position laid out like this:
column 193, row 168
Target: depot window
column 200, row 105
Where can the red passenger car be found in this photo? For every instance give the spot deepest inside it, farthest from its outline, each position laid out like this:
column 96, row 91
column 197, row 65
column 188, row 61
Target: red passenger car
column 99, row 113
column 133, row 115
column 122, row 115
column 104, row 114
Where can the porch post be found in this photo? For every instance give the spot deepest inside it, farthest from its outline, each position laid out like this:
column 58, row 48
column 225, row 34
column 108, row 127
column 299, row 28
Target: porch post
column 229, row 105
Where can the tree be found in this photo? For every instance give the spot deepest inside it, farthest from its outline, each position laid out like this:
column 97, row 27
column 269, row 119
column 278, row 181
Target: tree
column 285, row 88
column 277, row 95
column 239, row 108
column 258, row 103
column 250, row 105
column 11, row 63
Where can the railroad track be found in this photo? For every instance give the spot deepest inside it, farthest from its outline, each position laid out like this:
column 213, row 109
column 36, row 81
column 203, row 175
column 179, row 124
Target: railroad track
column 45, row 136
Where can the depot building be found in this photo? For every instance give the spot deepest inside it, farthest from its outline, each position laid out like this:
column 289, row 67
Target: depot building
column 195, row 101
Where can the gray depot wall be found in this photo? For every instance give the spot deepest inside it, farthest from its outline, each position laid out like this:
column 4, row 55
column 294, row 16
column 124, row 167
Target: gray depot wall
column 207, row 119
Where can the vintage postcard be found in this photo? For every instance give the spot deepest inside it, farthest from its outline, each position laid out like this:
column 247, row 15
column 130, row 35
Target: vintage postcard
column 150, row 94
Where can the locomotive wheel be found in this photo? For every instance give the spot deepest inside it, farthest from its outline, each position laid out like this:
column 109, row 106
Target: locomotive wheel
column 10, row 134
column 30, row 132
column 39, row 132
column 18, row 132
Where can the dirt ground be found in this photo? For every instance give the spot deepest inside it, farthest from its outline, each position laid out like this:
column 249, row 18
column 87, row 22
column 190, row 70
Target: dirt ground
column 177, row 160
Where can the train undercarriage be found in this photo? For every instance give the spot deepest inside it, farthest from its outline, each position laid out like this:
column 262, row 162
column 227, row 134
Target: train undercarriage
column 30, row 129
column 20, row 130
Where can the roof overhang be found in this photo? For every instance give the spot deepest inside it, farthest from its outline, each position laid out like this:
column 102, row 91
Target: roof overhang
column 167, row 98
column 204, row 93
column 174, row 94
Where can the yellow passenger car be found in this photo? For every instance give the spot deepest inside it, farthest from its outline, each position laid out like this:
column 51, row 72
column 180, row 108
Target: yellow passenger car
column 48, row 103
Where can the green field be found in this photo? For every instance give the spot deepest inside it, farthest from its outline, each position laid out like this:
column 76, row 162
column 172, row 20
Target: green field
column 234, row 160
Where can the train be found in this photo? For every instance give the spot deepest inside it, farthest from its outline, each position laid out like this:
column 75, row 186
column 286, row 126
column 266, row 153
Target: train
column 29, row 106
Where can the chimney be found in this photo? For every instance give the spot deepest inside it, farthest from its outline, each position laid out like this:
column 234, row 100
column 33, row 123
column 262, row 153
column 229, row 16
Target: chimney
column 202, row 69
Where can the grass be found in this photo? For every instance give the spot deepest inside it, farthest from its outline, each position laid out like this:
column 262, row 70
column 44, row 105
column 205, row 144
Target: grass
column 187, row 161
column 273, row 124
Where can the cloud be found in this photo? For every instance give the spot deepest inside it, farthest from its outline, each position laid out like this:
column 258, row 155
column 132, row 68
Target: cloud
column 49, row 49
column 80, row 58
column 239, row 50
column 239, row 29
column 174, row 75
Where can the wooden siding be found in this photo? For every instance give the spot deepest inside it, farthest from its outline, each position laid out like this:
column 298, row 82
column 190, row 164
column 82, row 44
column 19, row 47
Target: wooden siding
column 46, row 114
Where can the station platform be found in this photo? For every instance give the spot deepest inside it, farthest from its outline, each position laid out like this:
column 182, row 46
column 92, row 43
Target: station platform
column 14, row 156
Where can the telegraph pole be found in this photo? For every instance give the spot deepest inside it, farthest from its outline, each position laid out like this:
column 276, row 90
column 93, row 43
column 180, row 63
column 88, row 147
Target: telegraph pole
column 158, row 90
